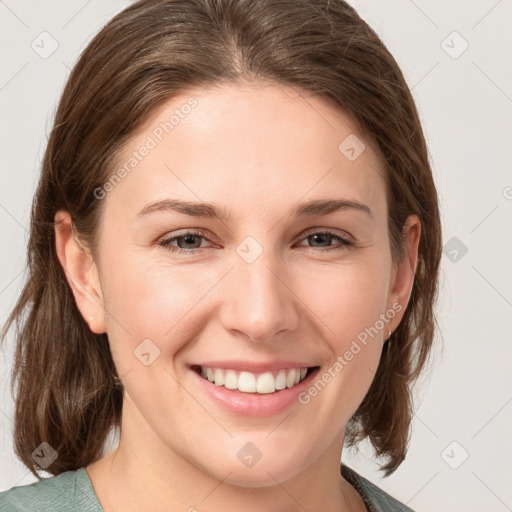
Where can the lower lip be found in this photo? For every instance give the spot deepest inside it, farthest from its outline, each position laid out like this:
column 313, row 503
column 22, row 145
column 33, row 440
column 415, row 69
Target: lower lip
column 254, row 404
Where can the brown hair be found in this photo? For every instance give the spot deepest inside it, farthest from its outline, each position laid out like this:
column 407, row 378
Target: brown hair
column 68, row 391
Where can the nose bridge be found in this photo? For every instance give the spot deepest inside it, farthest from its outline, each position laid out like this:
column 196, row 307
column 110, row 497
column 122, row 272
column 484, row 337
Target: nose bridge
column 261, row 305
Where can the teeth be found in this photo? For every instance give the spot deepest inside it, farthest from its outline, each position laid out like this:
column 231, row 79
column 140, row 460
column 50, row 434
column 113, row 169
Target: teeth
column 281, row 380
column 266, row 383
column 231, row 380
column 247, row 382
column 290, row 379
column 219, row 377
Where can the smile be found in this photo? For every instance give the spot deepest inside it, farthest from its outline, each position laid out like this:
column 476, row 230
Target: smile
column 248, row 382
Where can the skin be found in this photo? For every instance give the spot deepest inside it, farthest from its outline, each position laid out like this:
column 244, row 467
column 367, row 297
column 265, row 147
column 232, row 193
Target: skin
column 256, row 150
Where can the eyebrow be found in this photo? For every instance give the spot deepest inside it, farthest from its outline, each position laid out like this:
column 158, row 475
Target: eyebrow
column 210, row 210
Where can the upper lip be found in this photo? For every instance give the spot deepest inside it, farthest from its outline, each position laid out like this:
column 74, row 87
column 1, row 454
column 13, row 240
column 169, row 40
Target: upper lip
column 255, row 367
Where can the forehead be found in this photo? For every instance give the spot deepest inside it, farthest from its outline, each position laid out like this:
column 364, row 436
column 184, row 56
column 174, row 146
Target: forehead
column 248, row 147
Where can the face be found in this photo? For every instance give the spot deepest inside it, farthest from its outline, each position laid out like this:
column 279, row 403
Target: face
column 210, row 308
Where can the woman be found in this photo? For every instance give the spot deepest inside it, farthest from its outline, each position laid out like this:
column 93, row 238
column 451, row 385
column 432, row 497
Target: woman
column 199, row 153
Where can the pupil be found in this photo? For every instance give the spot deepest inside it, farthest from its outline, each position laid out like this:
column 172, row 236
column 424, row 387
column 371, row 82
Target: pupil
column 320, row 236
column 187, row 239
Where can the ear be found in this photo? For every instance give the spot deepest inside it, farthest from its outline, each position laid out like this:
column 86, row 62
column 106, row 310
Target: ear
column 404, row 272
column 81, row 272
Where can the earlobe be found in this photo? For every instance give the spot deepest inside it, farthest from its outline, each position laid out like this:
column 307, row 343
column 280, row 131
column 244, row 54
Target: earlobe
column 81, row 273
column 401, row 287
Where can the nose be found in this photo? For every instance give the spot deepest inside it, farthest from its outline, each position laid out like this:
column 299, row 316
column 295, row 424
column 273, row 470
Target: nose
column 260, row 304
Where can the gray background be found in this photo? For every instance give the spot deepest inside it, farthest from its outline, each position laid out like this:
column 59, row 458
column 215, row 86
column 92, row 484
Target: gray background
column 461, row 448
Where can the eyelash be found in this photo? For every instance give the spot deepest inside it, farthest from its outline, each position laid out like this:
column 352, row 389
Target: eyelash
column 166, row 242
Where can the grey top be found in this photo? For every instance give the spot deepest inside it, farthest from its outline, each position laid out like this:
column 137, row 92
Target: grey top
column 72, row 491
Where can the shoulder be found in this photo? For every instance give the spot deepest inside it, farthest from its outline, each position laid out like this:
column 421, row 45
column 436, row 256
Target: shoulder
column 68, row 492
column 375, row 499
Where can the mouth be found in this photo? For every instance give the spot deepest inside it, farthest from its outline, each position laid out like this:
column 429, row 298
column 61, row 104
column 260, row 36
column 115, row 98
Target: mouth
column 264, row 383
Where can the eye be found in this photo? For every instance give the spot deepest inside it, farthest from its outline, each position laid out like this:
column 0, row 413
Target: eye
column 327, row 236
column 185, row 240
column 190, row 241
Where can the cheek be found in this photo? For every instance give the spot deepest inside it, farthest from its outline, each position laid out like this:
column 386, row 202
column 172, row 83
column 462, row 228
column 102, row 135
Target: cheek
column 351, row 305
column 148, row 298
column 349, row 299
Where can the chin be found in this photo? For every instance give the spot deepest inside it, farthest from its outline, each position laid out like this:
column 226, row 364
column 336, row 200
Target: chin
column 254, row 468
column 261, row 475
